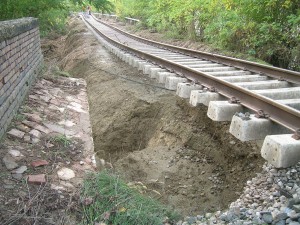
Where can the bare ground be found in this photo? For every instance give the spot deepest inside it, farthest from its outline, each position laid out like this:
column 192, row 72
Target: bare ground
column 152, row 136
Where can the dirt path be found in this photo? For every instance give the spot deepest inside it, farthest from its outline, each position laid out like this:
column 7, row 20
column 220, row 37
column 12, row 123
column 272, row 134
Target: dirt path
column 153, row 137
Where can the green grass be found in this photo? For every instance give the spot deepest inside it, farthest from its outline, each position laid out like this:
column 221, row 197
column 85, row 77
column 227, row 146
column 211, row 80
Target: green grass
column 61, row 140
column 107, row 199
column 62, row 73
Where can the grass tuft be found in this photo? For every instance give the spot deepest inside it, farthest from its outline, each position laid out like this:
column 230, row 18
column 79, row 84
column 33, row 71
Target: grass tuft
column 107, row 199
column 61, row 140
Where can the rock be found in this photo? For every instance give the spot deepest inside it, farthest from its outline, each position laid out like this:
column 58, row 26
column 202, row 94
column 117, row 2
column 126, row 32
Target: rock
column 9, row 162
column 281, row 222
column 15, row 153
column 16, row 133
column 191, row 220
column 294, row 223
column 280, row 216
column 57, row 188
column 17, row 176
column 8, row 186
column 33, row 117
column 267, row 217
column 36, row 126
column 296, row 208
column 37, row 179
column 67, row 123
column 38, row 163
column 58, row 129
column 208, row 215
column 65, row 174
column 35, row 140
column 20, row 170
column 45, row 98
column 27, row 138
column 49, row 145
column 23, row 128
column 35, row 133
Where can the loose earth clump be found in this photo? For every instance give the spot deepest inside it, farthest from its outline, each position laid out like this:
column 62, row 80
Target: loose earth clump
column 152, row 136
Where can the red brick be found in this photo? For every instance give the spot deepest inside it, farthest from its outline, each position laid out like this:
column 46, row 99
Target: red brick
column 38, row 163
column 37, row 179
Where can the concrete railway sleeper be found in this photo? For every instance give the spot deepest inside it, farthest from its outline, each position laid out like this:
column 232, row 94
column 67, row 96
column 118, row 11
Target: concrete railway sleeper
column 266, row 99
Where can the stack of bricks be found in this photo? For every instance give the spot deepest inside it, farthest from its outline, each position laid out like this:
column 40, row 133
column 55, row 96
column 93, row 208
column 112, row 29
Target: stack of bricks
column 20, row 62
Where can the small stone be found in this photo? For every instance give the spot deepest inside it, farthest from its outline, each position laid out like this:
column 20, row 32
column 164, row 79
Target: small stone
column 267, row 217
column 281, row 222
column 37, row 179
column 296, row 208
column 49, row 145
column 17, row 176
column 15, row 153
column 208, row 215
column 191, row 220
column 9, row 162
column 294, row 223
column 35, row 140
column 8, row 186
column 232, row 142
column 35, row 133
column 81, row 163
column 27, row 138
column 33, row 117
column 16, row 133
column 23, row 128
column 20, row 170
column 65, row 174
column 280, row 216
column 38, row 163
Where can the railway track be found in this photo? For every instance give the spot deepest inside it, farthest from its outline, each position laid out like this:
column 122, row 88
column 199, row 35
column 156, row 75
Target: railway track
column 260, row 101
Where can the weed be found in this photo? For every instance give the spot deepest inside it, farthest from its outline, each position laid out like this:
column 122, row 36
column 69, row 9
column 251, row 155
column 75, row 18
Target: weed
column 63, row 74
column 26, row 109
column 106, row 198
column 61, row 140
column 19, row 117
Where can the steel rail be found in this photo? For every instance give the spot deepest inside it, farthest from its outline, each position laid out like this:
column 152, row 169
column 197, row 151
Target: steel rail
column 275, row 72
column 281, row 114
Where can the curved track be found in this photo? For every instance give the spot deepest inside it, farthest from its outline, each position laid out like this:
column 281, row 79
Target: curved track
column 271, row 92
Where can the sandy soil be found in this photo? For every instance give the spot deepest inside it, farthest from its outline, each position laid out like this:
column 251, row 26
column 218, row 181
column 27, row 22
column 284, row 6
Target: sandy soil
column 152, row 136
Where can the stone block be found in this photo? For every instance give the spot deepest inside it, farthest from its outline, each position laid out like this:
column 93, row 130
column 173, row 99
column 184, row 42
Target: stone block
column 253, row 128
column 199, row 97
column 163, row 75
column 222, row 110
column 184, row 89
column 282, row 151
column 171, row 82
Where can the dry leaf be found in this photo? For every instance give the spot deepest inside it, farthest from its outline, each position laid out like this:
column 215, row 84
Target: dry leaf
column 122, row 209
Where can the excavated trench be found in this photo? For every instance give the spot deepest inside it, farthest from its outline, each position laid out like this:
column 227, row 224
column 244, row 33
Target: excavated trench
column 152, row 137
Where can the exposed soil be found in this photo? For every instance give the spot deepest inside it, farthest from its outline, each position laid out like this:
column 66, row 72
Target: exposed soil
column 154, row 137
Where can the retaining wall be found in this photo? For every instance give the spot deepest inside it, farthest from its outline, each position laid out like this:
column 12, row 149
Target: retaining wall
column 21, row 61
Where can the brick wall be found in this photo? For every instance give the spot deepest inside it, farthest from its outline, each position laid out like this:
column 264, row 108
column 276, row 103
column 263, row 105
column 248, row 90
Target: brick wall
column 20, row 62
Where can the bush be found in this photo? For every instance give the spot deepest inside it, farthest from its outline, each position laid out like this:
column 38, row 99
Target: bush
column 53, row 19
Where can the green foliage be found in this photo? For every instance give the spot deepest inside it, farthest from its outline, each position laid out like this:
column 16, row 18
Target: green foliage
column 61, row 140
column 52, row 14
column 106, row 198
column 267, row 29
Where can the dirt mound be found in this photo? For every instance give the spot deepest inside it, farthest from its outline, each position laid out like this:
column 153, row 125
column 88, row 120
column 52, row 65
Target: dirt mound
column 153, row 137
